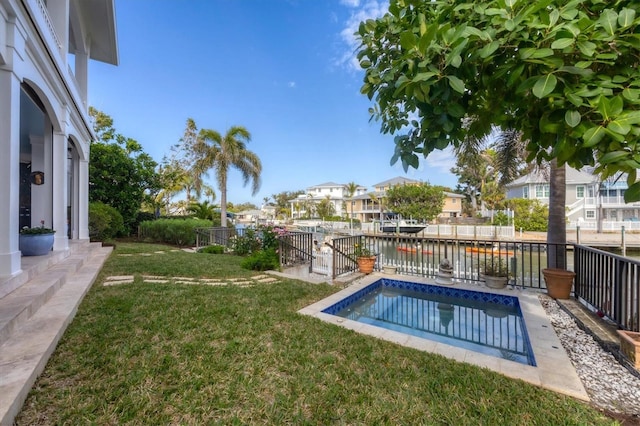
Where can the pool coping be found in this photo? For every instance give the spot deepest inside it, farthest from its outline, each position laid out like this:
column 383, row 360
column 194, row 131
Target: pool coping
column 554, row 370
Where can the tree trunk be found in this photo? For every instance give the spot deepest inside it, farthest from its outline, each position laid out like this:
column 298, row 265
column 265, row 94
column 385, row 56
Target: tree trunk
column 557, row 224
column 223, row 202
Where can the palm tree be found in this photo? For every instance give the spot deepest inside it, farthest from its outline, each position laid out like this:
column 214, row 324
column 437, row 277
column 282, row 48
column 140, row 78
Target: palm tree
column 212, row 150
column 351, row 189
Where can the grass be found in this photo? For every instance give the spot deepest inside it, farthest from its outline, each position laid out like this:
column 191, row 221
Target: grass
column 189, row 354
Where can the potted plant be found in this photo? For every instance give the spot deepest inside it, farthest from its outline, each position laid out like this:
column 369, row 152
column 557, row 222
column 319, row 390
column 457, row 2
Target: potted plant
column 365, row 257
column 559, row 282
column 496, row 272
column 36, row 241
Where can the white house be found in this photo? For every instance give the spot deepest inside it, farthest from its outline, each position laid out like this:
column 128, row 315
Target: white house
column 588, row 197
column 336, row 193
column 45, row 131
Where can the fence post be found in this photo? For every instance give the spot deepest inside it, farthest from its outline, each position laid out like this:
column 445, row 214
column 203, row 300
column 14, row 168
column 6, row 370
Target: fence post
column 577, row 235
column 624, row 244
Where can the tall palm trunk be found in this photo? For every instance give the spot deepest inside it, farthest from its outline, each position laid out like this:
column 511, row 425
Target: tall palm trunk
column 223, row 200
column 557, row 225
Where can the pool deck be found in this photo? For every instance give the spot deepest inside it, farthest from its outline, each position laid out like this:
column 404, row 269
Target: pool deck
column 554, row 370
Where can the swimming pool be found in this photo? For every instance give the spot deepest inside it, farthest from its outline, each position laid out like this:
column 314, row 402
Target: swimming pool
column 487, row 323
column 553, row 369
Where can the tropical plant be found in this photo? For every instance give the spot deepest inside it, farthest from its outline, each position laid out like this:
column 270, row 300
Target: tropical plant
column 221, row 152
column 496, row 266
column 421, row 202
column 561, row 73
column 360, row 250
column 36, row 230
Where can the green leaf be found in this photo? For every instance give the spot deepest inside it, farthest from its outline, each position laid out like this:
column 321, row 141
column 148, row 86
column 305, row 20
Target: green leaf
column 423, row 76
column 619, row 126
column 626, row 17
column 456, row 84
column 592, row 136
column 542, row 53
column 544, row 86
column 509, row 25
column 586, row 47
column 617, row 105
column 574, row 99
column 561, row 43
column 632, row 193
column 365, row 64
column 604, row 107
column 609, row 21
column 510, row 3
column 488, row 49
column 613, row 157
column 407, row 40
column 572, row 118
column 631, row 94
column 456, row 61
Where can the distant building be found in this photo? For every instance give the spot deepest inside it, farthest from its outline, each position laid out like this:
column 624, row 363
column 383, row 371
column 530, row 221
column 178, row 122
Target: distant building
column 588, row 197
column 45, row 130
column 365, row 204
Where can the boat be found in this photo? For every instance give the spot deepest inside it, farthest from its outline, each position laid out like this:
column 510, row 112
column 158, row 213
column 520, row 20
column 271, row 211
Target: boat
column 402, row 226
column 412, row 250
column 495, row 251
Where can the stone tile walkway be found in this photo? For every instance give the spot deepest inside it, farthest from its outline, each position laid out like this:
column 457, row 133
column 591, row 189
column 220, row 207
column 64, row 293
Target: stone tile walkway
column 239, row 282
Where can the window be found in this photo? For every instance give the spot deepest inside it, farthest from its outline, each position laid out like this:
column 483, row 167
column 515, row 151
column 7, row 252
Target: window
column 525, row 192
column 590, row 191
column 579, row 191
column 542, row 191
column 590, row 214
column 453, row 201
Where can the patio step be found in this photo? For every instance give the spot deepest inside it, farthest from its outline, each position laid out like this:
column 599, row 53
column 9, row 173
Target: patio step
column 34, row 316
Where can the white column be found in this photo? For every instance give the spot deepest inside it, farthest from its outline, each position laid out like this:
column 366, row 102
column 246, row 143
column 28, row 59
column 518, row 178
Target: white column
column 60, row 185
column 83, row 199
column 9, row 173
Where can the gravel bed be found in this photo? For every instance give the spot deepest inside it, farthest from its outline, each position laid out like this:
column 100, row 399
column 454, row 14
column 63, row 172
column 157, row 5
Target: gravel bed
column 609, row 384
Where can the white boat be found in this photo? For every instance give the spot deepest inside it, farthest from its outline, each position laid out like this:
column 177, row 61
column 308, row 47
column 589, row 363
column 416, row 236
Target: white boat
column 403, row 226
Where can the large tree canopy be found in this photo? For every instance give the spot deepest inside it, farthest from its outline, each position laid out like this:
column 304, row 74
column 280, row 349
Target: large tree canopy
column 564, row 73
column 421, row 202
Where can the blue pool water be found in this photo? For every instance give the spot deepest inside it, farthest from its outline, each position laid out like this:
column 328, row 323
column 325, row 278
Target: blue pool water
column 487, row 323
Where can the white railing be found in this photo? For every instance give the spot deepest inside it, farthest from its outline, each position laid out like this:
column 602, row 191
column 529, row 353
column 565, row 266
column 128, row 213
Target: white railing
column 322, row 263
column 607, row 225
column 47, row 19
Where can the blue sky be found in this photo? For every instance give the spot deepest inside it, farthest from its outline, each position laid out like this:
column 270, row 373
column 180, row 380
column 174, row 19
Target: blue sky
column 284, row 69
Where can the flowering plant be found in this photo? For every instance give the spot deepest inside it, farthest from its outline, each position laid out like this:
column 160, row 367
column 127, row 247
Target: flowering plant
column 361, row 251
column 37, row 230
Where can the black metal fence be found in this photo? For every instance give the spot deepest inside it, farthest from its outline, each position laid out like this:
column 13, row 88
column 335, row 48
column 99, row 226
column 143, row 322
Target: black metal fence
column 214, row 236
column 610, row 284
column 296, row 248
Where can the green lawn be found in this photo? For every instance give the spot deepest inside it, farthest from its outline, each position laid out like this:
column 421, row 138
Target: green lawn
column 155, row 354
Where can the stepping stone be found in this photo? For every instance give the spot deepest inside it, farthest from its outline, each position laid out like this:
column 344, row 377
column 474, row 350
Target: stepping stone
column 145, row 254
column 126, row 254
column 259, row 277
column 184, row 278
column 242, row 283
column 155, row 281
column 159, row 252
column 211, row 280
column 214, row 284
column 116, row 282
column 186, row 282
column 120, row 277
column 154, row 277
column 267, row 280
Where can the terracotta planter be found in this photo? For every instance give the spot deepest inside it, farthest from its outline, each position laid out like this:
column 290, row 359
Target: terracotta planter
column 495, row 282
column 559, row 282
column 35, row 244
column 365, row 264
column 630, row 346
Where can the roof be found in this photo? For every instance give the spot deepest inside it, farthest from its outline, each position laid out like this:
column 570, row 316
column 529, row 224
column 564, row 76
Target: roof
column 328, row 184
column 99, row 21
column 399, row 180
column 573, row 177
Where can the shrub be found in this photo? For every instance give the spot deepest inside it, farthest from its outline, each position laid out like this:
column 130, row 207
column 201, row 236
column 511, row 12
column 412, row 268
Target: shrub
column 246, row 243
column 180, row 232
column 105, row 222
column 262, row 260
column 212, row 249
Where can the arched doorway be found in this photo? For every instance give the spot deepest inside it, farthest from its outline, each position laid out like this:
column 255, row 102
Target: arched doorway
column 36, row 132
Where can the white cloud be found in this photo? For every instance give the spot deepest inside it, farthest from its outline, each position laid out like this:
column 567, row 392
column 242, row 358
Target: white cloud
column 350, row 3
column 291, row 84
column 372, row 9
